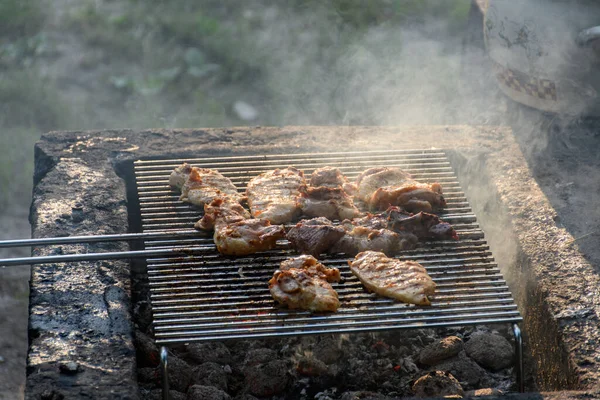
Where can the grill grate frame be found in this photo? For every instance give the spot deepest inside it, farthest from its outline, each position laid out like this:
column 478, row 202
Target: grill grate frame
column 214, row 297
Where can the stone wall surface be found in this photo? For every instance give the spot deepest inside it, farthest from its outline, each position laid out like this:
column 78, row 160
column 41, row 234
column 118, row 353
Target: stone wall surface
column 80, row 326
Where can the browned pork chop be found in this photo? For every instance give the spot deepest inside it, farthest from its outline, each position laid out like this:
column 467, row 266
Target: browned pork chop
column 314, row 236
column 406, row 281
column 203, row 185
column 221, row 211
column 328, row 196
column 274, row 195
column 303, row 283
column 361, row 238
column 247, row 237
column 382, row 187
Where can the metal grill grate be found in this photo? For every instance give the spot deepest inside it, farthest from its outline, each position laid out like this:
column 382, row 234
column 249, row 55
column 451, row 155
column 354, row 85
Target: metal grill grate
column 213, row 297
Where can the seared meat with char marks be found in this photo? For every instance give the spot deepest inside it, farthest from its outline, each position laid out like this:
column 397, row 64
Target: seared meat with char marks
column 327, row 196
column 236, row 235
column 406, row 281
column 273, row 195
column 314, row 236
column 303, row 283
column 221, row 211
column 382, row 187
column 180, row 175
column 247, row 237
column 361, row 238
column 312, row 265
column 423, row 225
column 203, row 185
column 331, row 177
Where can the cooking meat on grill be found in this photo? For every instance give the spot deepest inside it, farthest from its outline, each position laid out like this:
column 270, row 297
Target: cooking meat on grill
column 328, row 202
column 202, row 185
column 423, row 225
column 361, row 238
column 326, row 196
column 303, row 283
column 314, row 236
column 180, row 175
column 331, row 177
column 274, row 195
column 236, row 234
column 221, row 211
column 247, row 237
column 382, row 187
column 313, row 266
column 406, row 281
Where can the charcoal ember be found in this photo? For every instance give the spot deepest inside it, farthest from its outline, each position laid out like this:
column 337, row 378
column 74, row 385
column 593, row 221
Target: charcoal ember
column 150, row 376
column 245, row 396
column 211, row 374
column 309, row 366
column 490, row 350
column 440, row 350
column 484, row 392
column 266, row 379
column 363, row 395
column 145, row 350
column 51, row 394
column 215, row 352
column 407, row 365
column 437, row 384
column 363, row 374
column 259, row 356
column 463, row 368
column 156, row 394
column 180, row 374
column 201, row 392
column 142, row 314
column 328, row 349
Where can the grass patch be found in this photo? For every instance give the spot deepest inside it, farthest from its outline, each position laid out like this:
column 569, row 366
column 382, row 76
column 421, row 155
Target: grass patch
column 114, row 33
column 28, row 106
column 28, row 101
column 20, row 18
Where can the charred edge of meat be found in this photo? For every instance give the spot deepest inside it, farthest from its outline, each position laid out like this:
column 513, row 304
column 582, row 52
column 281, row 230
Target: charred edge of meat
column 313, row 266
column 314, row 236
column 247, row 237
column 423, row 225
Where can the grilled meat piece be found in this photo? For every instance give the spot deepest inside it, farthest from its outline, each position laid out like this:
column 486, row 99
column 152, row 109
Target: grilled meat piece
column 221, row 211
column 382, row 187
column 274, row 195
column 312, row 265
column 361, row 238
column 314, row 236
column 304, row 283
column 406, row 281
column 328, row 202
column 203, row 185
column 327, row 196
column 331, row 177
column 235, row 234
column 423, row 225
column 180, row 175
column 247, row 237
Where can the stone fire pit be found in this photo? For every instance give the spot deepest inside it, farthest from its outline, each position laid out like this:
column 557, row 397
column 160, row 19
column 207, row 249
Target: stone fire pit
column 81, row 325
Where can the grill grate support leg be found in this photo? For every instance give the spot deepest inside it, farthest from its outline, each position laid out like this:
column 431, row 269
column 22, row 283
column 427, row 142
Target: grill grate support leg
column 164, row 362
column 519, row 358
